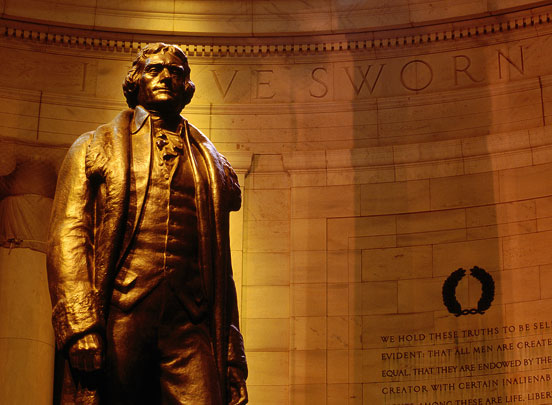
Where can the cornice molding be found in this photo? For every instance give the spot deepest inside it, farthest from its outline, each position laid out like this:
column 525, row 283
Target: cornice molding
column 478, row 29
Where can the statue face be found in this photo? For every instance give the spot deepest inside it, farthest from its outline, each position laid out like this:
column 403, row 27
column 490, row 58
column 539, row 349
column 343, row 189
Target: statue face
column 161, row 86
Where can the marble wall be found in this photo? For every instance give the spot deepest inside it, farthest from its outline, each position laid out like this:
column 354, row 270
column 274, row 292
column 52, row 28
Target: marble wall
column 373, row 167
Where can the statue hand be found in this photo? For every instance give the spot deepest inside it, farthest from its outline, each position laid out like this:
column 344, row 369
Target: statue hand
column 238, row 390
column 86, row 354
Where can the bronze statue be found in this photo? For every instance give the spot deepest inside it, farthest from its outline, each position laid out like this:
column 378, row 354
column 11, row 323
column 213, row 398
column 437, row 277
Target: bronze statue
column 144, row 304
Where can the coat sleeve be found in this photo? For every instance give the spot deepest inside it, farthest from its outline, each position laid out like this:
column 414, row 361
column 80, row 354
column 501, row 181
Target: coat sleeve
column 234, row 192
column 236, row 352
column 70, row 264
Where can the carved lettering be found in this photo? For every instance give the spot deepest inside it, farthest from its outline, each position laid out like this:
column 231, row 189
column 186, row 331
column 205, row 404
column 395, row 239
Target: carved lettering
column 519, row 67
column 464, row 360
column 414, row 64
column 465, row 61
column 223, row 91
column 323, row 88
column 364, row 76
column 266, row 85
column 415, row 74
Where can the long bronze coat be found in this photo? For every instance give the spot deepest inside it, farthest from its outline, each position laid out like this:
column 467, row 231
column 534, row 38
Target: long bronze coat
column 96, row 209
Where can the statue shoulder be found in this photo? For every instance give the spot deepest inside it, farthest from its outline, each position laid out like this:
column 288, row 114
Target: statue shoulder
column 82, row 141
column 120, row 124
column 77, row 151
column 108, row 146
column 197, row 134
column 232, row 182
column 230, row 179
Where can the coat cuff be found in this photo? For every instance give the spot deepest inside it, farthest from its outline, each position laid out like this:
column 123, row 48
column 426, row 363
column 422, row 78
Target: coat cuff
column 76, row 316
column 236, row 352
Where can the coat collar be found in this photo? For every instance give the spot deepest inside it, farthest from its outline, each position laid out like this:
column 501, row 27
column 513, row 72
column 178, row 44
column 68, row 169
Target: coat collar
column 139, row 119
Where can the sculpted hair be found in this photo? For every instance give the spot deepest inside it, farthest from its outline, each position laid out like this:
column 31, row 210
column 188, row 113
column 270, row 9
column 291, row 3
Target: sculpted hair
column 130, row 85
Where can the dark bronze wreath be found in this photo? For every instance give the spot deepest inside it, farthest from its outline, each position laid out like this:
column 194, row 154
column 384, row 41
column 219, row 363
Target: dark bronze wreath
column 487, row 291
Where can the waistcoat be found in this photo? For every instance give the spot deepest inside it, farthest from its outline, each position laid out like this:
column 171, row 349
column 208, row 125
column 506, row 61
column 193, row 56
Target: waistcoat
column 165, row 244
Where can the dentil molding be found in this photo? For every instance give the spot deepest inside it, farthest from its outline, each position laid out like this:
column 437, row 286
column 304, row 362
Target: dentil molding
column 465, row 30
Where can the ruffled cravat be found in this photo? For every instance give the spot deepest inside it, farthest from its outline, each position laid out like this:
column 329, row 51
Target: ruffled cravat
column 170, row 144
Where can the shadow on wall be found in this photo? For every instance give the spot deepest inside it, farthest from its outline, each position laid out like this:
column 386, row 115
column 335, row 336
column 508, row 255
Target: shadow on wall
column 427, row 161
column 389, row 185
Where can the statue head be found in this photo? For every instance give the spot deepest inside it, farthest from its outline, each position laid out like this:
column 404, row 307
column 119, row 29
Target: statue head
column 159, row 79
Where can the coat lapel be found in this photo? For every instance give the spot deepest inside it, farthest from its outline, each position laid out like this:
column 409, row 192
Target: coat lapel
column 140, row 161
column 141, row 157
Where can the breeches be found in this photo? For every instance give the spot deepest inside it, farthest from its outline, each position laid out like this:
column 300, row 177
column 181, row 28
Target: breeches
column 156, row 355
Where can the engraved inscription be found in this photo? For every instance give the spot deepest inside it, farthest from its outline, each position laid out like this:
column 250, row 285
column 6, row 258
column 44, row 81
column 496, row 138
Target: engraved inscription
column 46, row 72
column 223, row 89
column 263, row 89
column 495, row 364
column 321, row 89
column 362, row 80
column 416, row 75
column 519, row 66
column 462, row 63
column 363, row 75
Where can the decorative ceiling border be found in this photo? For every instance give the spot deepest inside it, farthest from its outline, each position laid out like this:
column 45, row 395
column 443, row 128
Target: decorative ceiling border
column 259, row 46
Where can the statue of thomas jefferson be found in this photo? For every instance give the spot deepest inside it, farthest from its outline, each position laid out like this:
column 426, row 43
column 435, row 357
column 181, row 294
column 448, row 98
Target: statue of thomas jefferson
column 144, row 304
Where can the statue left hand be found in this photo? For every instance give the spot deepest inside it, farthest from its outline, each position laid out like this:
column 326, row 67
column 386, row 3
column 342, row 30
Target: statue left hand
column 238, row 390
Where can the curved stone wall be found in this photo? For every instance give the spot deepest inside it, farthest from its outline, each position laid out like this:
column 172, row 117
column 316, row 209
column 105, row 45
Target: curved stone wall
column 251, row 17
column 375, row 166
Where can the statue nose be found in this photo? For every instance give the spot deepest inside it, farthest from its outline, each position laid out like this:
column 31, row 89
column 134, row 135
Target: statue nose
column 164, row 74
